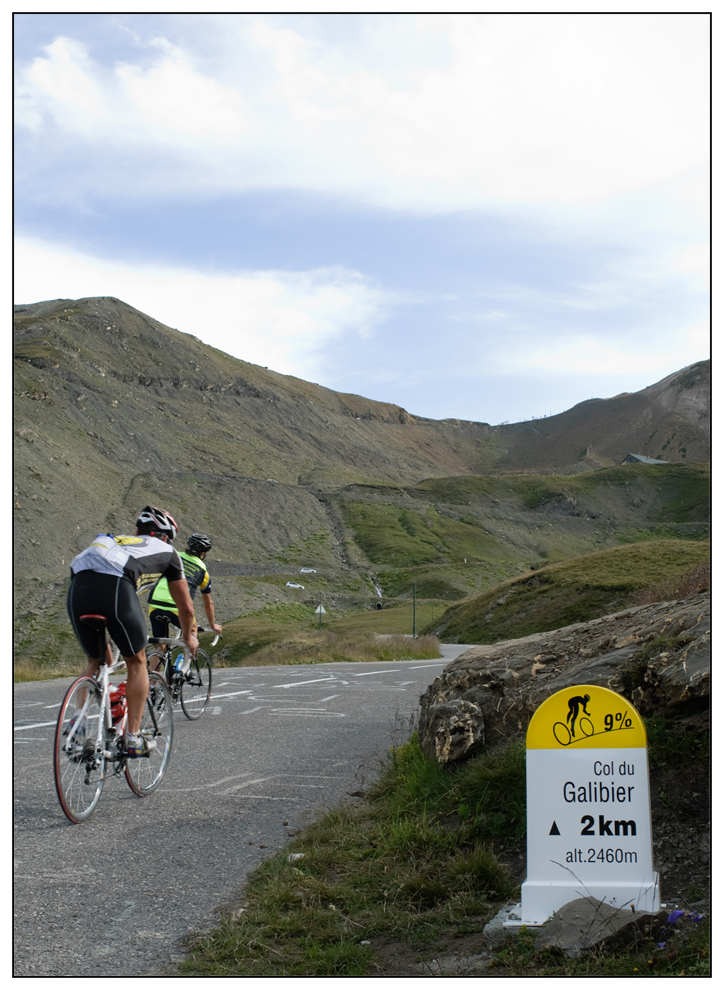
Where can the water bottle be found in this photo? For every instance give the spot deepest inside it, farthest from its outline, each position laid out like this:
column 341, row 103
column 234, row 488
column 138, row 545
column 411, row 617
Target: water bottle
column 118, row 702
column 178, row 662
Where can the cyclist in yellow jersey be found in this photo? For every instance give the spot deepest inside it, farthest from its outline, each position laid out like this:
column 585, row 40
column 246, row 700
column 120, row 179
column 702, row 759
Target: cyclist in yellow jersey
column 162, row 608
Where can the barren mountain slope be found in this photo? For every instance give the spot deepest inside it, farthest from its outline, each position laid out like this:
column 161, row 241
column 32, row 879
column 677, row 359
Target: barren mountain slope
column 667, row 421
column 113, row 409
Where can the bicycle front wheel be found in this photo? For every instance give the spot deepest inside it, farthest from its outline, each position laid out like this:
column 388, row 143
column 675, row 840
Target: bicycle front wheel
column 196, row 686
column 144, row 773
column 156, row 660
column 79, row 760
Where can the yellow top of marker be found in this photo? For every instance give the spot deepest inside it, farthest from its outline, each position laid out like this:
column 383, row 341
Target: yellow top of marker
column 586, row 716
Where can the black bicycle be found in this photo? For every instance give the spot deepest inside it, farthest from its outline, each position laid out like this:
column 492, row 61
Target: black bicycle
column 188, row 678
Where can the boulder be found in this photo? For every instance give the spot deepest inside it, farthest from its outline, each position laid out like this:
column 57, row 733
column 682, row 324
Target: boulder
column 456, row 729
column 656, row 655
column 586, row 922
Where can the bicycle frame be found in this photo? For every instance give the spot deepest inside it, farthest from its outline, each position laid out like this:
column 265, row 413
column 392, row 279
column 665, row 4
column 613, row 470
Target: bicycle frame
column 105, row 720
column 104, row 675
column 177, row 641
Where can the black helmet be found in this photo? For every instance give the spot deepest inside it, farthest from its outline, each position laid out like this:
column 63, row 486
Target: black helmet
column 198, row 543
column 163, row 522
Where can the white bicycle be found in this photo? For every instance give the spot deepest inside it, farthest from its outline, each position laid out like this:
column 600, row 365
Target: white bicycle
column 89, row 735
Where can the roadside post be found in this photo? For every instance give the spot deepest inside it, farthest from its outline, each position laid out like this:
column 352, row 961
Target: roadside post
column 588, row 806
column 320, row 611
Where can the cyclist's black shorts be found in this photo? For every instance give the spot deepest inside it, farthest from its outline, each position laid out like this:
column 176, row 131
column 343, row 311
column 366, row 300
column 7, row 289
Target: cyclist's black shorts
column 92, row 593
column 160, row 619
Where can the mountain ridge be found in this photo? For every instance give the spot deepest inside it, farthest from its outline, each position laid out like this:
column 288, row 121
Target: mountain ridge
column 114, row 409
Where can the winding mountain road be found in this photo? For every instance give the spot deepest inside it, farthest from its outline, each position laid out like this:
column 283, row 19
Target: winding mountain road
column 116, row 895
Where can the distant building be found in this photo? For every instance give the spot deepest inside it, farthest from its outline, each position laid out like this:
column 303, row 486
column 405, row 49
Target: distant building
column 640, row 459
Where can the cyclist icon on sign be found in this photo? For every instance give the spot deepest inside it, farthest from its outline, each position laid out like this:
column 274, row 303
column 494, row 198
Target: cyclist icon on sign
column 574, row 704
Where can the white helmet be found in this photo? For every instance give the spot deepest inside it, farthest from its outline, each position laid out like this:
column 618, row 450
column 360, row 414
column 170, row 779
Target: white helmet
column 163, row 521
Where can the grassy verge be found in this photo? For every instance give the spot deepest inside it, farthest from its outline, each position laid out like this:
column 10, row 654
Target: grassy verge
column 416, row 862
column 684, row 951
column 415, row 870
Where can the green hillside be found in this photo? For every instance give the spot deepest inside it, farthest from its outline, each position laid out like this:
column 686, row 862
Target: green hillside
column 451, row 537
column 578, row 590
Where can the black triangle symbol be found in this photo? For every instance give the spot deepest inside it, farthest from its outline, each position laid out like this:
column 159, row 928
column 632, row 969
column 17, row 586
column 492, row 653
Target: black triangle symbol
column 554, row 830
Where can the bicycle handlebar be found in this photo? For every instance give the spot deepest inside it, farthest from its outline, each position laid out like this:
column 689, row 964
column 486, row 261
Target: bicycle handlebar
column 216, row 638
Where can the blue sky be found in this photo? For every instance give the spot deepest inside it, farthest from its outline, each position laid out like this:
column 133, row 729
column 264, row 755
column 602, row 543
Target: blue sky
column 486, row 217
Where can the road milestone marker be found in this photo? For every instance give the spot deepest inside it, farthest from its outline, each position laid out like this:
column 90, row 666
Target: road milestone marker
column 588, row 806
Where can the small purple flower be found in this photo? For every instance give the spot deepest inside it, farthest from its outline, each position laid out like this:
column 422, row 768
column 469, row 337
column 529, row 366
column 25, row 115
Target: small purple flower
column 694, row 916
column 662, row 944
column 674, row 917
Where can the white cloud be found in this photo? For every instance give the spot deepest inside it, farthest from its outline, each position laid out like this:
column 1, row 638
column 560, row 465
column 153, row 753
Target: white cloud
column 591, row 355
column 279, row 319
column 515, row 108
column 167, row 104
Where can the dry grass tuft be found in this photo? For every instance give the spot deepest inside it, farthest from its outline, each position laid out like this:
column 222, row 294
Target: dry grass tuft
column 693, row 582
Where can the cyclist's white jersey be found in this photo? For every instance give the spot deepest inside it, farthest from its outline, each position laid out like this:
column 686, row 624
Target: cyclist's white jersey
column 142, row 560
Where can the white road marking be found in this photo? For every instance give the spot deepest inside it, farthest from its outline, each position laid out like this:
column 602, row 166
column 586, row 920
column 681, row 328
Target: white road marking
column 214, row 783
column 370, row 673
column 305, row 709
column 37, row 725
column 265, row 797
column 305, row 713
column 248, row 783
column 316, row 680
column 231, row 694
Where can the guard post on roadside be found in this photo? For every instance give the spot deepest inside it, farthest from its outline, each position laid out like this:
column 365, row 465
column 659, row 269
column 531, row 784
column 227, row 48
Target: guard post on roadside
column 588, row 806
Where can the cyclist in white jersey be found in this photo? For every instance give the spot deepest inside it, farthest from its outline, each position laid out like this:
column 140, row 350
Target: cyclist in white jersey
column 105, row 579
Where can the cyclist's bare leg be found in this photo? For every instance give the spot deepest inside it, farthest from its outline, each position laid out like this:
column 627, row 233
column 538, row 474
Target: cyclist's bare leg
column 93, row 666
column 136, row 689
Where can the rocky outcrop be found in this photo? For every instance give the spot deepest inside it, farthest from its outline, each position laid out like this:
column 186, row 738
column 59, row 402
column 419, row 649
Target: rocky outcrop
column 656, row 655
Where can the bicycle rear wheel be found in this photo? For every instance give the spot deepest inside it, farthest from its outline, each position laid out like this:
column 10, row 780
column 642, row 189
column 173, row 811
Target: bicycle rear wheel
column 196, row 686
column 144, row 774
column 79, row 766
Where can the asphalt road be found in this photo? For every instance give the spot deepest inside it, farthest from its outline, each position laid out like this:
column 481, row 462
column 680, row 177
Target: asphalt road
column 116, row 895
